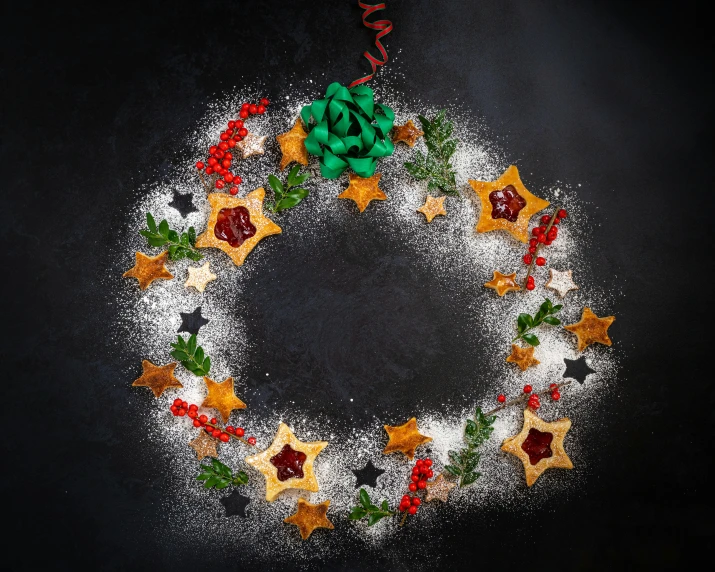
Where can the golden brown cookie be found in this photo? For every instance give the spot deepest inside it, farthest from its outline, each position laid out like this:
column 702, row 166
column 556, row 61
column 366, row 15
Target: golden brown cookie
column 591, row 329
column 146, row 269
column 404, row 438
column 222, row 397
column 157, row 377
column 362, row 191
column 204, row 445
column 433, row 207
column 292, row 145
column 503, row 283
column 407, row 133
column 309, row 517
column 523, row 357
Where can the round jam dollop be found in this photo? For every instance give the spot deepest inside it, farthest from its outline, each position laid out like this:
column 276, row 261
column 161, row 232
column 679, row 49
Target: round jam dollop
column 234, row 226
column 289, row 463
column 506, row 203
column 537, row 445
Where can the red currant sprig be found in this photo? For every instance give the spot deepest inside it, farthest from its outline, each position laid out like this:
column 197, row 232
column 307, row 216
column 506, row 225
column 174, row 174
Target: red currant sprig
column 180, row 408
column 220, row 157
column 532, row 399
column 418, row 482
column 542, row 235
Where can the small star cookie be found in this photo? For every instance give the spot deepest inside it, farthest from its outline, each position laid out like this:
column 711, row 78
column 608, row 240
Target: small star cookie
column 146, row 269
column 292, row 145
column 407, row 133
column 199, row 277
column 503, row 283
column 363, row 190
column 404, row 438
column 309, row 517
column 561, row 282
column 439, row 488
column 222, row 396
column 523, row 357
column 157, row 377
column 204, row 445
column 432, row 207
column 250, row 145
column 591, row 329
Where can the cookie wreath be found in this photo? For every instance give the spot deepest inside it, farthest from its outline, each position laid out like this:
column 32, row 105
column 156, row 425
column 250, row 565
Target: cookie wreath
column 230, row 456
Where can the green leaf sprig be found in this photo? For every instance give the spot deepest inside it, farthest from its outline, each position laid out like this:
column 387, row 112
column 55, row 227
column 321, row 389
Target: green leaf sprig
column 179, row 245
column 219, row 476
column 436, row 167
column 465, row 461
column 525, row 323
column 191, row 355
column 289, row 195
column 366, row 509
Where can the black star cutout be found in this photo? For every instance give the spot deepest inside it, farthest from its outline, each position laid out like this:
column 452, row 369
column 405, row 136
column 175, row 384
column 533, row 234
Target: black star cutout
column 368, row 475
column 183, row 202
column 191, row 322
column 235, row 504
column 577, row 369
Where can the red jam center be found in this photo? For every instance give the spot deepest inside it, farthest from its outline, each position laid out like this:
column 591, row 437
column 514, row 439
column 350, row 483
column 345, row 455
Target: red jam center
column 289, row 463
column 234, row 226
column 538, row 445
column 506, row 203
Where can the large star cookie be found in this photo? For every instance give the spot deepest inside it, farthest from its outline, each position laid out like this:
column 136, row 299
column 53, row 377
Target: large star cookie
column 243, row 229
column 292, row 145
column 222, row 397
column 539, row 446
column 146, row 269
column 506, row 204
column 309, row 517
column 591, row 329
column 287, row 463
column 157, row 378
column 404, row 438
column 363, row 190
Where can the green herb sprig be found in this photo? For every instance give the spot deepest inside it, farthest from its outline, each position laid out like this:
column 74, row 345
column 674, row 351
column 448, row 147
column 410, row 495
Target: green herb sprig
column 289, row 195
column 436, row 167
column 191, row 355
column 366, row 509
column 525, row 323
column 179, row 245
column 465, row 461
column 219, row 476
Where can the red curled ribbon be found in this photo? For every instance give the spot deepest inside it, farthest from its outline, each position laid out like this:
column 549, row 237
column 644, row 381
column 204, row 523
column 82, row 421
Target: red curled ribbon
column 385, row 27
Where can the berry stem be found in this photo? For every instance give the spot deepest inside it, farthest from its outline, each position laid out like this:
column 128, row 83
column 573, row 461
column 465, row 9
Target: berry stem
column 204, row 183
column 525, row 397
column 229, row 434
column 404, row 518
column 538, row 247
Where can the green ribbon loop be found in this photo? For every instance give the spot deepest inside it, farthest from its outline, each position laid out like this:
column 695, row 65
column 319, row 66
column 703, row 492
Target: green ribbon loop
column 348, row 129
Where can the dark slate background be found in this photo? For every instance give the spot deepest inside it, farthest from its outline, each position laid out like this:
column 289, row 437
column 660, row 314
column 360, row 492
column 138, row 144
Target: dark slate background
column 613, row 95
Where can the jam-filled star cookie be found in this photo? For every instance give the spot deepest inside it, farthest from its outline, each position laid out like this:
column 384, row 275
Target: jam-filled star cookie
column 506, row 204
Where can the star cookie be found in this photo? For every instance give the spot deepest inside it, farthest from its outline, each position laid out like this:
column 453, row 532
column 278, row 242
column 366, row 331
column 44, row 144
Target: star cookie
column 146, row 269
column 287, row 463
column 362, row 191
column 157, row 377
column 432, row 207
column 204, row 445
column 439, row 488
column 539, row 446
column 222, row 396
column 561, row 282
column 250, row 145
column 309, row 517
column 407, row 133
column 292, row 145
column 253, row 202
column 523, row 357
column 199, row 277
column 503, row 283
column 591, row 329
column 404, row 438
column 508, row 199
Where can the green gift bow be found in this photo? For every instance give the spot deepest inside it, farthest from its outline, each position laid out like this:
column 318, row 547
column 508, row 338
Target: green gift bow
column 350, row 130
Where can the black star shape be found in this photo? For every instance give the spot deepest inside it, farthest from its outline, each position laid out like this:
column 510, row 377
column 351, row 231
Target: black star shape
column 368, row 475
column 183, row 202
column 235, row 504
column 577, row 369
column 191, row 322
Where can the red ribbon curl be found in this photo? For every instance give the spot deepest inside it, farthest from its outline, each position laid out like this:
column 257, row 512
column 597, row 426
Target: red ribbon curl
column 385, row 27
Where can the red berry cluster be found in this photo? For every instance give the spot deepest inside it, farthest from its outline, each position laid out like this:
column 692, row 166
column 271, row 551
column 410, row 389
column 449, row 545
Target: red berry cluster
column 220, row 157
column 534, row 402
column 418, row 481
column 180, row 408
column 542, row 235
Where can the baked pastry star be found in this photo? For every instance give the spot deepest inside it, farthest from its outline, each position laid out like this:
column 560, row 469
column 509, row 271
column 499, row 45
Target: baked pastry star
column 432, row 207
column 363, row 190
column 407, row 133
column 222, row 396
column 439, row 489
column 236, row 225
column 157, row 377
column 506, row 204
column 199, row 276
column 503, row 283
column 539, row 445
column 309, row 517
column 292, row 145
column 523, row 357
column 250, row 145
column 204, row 445
column 591, row 329
column 561, row 282
column 146, row 269
column 404, row 438
column 287, row 463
